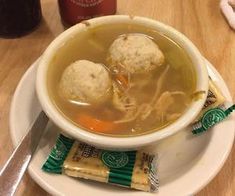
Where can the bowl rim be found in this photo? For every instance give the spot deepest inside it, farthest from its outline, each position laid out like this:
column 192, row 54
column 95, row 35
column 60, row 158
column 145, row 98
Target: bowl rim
column 120, row 143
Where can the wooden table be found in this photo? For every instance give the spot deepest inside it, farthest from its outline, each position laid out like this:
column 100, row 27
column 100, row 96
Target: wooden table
column 200, row 20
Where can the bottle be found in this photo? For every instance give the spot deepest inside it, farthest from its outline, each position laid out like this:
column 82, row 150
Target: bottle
column 74, row 11
column 18, row 17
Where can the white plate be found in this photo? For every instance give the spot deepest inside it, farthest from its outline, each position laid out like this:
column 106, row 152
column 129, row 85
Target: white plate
column 186, row 163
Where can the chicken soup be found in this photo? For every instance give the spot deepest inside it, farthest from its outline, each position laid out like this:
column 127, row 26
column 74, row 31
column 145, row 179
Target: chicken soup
column 121, row 80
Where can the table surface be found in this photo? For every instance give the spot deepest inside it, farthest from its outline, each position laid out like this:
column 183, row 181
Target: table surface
column 199, row 20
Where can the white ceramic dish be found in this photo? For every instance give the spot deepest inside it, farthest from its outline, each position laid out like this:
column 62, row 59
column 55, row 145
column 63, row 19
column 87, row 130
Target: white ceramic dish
column 120, row 143
column 186, row 163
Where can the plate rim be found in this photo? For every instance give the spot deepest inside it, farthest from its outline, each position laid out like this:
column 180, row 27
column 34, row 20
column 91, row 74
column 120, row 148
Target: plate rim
column 14, row 100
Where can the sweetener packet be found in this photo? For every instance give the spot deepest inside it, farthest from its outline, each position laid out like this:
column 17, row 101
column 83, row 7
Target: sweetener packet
column 133, row 169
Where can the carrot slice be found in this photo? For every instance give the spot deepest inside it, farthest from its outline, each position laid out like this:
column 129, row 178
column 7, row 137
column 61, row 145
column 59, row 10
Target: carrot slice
column 97, row 125
column 123, row 80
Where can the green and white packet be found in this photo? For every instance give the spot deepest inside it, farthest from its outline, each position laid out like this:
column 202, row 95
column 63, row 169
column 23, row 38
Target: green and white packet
column 212, row 117
column 215, row 110
column 133, row 169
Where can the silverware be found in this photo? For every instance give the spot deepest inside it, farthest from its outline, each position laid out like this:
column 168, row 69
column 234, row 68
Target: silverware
column 17, row 164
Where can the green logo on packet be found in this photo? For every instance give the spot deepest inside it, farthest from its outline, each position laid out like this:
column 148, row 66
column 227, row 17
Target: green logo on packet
column 212, row 117
column 114, row 159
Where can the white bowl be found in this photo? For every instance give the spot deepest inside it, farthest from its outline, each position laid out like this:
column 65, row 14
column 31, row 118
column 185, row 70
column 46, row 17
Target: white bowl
column 121, row 143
